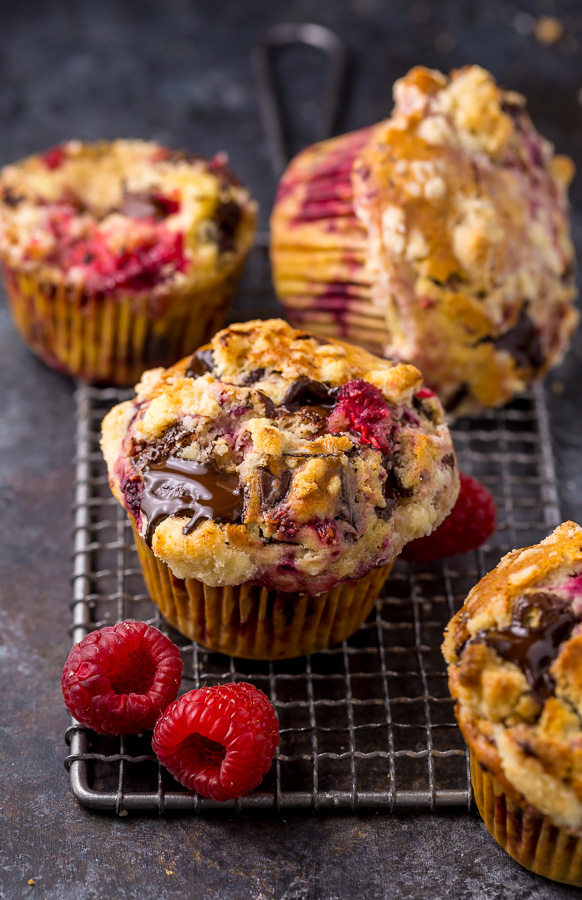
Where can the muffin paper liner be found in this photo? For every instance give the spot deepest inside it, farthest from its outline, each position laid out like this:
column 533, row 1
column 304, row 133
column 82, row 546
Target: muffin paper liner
column 319, row 249
column 524, row 833
column 113, row 338
column 252, row 622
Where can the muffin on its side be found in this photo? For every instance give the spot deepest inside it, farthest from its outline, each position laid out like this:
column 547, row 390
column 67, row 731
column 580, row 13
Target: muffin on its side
column 272, row 479
column 514, row 652
column 439, row 237
column 120, row 256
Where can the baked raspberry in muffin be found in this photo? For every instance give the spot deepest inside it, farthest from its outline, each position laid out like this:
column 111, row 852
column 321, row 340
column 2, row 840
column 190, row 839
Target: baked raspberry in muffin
column 439, row 237
column 272, row 479
column 119, row 256
column 514, row 652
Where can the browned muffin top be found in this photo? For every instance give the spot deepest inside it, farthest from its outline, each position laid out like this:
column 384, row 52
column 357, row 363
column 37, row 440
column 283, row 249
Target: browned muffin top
column 515, row 666
column 276, row 457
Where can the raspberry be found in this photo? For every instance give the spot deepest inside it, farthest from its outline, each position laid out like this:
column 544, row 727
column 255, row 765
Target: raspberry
column 219, row 741
column 470, row 522
column 54, row 158
column 361, row 408
column 119, row 679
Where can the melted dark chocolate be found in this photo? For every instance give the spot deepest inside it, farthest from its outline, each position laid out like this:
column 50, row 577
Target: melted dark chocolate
column 182, row 487
column 201, row 363
column 523, row 342
column 273, row 489
column 534, row 649
column 306, row 392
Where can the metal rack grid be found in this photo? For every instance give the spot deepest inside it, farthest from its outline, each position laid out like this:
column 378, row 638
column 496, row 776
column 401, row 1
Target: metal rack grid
column 368, row 724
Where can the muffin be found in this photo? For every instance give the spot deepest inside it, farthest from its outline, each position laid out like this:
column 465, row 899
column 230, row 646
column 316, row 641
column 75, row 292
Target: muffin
column 120, row 256
column 439, row 237
column 514, row 653
column 272, row 479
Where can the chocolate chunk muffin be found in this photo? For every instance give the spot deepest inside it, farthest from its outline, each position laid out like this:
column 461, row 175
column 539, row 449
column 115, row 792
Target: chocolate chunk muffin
column 439, row 237
column 272, row 479
column 120, row 256
column 514, row 653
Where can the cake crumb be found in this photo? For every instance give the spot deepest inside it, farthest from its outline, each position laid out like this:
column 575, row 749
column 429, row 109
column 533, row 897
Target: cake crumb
column 548, row 30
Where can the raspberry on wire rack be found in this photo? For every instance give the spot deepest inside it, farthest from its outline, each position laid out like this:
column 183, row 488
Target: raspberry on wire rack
column 219, row 741
column 119, row 679
column 471, row 521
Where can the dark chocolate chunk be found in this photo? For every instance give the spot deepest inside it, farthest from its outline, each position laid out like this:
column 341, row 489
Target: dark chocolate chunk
column 273, row 489
column 523, row 342
column 168, row 444
column 268, row 404
column 393, row 491
column 306, row 392
column 227, row 218
column 456, row 399
column 200, row 363
column 10, row 198
column 534, row 648
column 183, row 487
column 254, row 376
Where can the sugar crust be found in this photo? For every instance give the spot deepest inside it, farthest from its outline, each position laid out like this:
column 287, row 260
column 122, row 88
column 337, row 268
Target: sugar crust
column 331, row 525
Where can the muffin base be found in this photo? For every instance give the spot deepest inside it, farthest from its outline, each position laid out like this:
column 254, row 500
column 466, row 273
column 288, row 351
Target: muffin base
column 524, row 833
column 112, row 338
column 252, row 622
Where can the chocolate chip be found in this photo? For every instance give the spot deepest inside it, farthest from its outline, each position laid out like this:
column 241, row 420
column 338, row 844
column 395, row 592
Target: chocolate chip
column 254, row 376
column 456, row 399
column 449, row 460
column 267, row 403
column 200, row 363
column 10, row 198
column 523, row 342
column 227, row 218
column 273, row 489
column 307, row 392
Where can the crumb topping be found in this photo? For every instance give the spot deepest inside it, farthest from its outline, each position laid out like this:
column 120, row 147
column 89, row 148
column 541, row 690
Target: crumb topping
column 514, row 652
column 440, row 237
column 127, row 215
column 277, row 457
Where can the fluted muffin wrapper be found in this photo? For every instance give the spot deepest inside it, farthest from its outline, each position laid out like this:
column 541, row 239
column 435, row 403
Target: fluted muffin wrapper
column 319, row 249
column 531, row 838
column 112, row 338
column 252, row 622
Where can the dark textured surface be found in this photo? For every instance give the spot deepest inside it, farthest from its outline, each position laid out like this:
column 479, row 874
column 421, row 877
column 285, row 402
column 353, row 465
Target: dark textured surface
column 173, row 71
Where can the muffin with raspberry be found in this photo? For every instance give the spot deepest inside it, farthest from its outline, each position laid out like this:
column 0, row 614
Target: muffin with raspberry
column 120, row 256
column 514, row 653
column 272, row 478
column 439, row 237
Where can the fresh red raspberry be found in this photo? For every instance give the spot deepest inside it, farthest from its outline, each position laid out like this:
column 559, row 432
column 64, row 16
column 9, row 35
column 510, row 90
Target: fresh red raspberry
column 362, row 408
column 119, row 679
column 471, row 521
column 219, row 741
column 54, row 157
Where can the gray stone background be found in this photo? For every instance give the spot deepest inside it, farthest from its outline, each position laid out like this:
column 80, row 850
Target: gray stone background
column 179, row 71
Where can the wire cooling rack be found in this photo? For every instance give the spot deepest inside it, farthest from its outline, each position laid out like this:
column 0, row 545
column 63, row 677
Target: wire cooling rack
column 367, row 724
